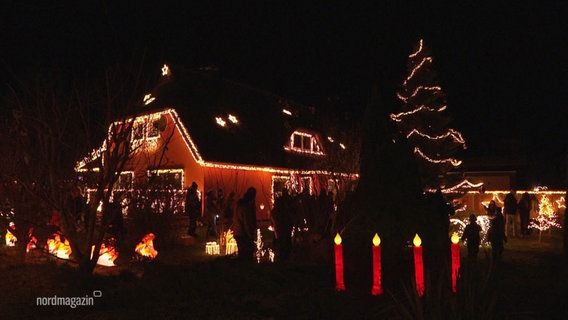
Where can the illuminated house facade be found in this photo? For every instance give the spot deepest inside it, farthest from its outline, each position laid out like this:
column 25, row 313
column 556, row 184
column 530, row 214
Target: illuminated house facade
column 223, row 135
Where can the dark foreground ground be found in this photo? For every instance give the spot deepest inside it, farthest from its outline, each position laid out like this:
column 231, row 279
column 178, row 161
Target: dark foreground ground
column 183, row 283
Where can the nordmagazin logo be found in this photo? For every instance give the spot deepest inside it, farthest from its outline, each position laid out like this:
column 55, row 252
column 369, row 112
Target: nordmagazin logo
column 72, row 302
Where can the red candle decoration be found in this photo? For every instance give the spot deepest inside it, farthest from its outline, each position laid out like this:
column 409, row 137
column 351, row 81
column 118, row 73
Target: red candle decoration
column 339, row 283
column 455, row 260
column 377, row 287
column 418, row 265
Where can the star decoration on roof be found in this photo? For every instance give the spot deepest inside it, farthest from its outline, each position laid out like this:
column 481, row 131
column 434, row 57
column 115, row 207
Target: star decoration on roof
column 165, row 70
column 561, row 203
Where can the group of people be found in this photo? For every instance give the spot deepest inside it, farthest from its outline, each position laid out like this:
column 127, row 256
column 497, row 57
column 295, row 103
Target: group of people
column 503, row 223
column 220, row 214
column 495, row 234
column 218, row 211
column 239, row 216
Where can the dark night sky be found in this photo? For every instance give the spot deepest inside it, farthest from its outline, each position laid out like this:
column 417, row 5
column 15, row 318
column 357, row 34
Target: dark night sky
column 500, row 66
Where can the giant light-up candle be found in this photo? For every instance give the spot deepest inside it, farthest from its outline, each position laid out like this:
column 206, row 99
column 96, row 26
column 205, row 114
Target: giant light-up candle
column 339, row 283
column 418, row 265
column 377, row 286
column 455, row 247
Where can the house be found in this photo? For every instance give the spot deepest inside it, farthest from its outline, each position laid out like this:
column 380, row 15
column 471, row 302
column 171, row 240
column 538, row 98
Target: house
column 196, row 126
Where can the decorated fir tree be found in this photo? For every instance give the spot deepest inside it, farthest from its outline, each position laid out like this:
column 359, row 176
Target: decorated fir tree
column 423, row 122
column 546, row 218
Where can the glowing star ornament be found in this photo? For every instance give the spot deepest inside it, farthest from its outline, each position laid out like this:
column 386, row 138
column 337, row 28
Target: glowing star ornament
column 377, row 285
column 220, row 121
column 339, row 282
column 455, row 248
column 418, row 265
column 165, row 70
column 561, row 203
column 233, row 119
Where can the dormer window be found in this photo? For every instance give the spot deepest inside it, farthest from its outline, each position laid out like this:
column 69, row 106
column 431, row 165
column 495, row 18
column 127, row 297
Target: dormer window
column 304, row 142
column 148, row 128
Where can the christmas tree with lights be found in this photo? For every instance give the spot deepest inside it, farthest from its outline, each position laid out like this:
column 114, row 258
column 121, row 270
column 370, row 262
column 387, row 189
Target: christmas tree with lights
column 423, row 122
column 546, row 217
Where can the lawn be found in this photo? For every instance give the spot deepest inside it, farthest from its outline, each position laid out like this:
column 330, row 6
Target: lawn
column 182, row 282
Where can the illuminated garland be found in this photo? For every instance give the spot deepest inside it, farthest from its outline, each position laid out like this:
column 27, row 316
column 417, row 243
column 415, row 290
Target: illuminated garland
column 456, row 136
column 428, row 59
column 412, row 55
column 405, row 99
column 454, row 162
column 397, row 117
column 419, row 63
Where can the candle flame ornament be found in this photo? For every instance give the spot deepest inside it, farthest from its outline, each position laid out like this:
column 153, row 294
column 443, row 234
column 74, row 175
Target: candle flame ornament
column 339, row 282
column 418, row 265
column 377, row 286
column 455, row 247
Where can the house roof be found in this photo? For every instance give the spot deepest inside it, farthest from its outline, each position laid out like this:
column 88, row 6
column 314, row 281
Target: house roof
column 202, row 96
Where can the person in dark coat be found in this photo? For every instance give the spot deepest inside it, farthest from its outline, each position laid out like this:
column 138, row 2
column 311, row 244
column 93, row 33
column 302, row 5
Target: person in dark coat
column 491, row 208
column 510, row 210
column 211, row 214
column 283, row 223
column 77, row 206
column 524, row 208
column 471, row 237
column 192, row 208
column 496, row 235
column 114, row 216
column 244, row 225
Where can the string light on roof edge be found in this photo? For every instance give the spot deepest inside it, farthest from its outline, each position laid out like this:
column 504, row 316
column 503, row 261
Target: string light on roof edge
column 464, row 184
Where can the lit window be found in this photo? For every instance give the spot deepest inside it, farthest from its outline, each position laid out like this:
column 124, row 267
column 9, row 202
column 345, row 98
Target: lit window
column 304, row 142
column 148, row 128
column 165, row 179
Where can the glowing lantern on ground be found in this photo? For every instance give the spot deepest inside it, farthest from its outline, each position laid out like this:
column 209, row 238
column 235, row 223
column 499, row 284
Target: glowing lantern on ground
column 211, row 248
column 339, row 282
column 418, row 265
column 10, row 239
column 146, row 247
column 377, row 286
column 230, row 243
column 58, row 248
column 32, row 243
column 107, row 255
column 455, row 247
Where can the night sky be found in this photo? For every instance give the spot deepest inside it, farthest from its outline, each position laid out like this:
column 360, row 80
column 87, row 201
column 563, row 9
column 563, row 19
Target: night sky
column 500, row 66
